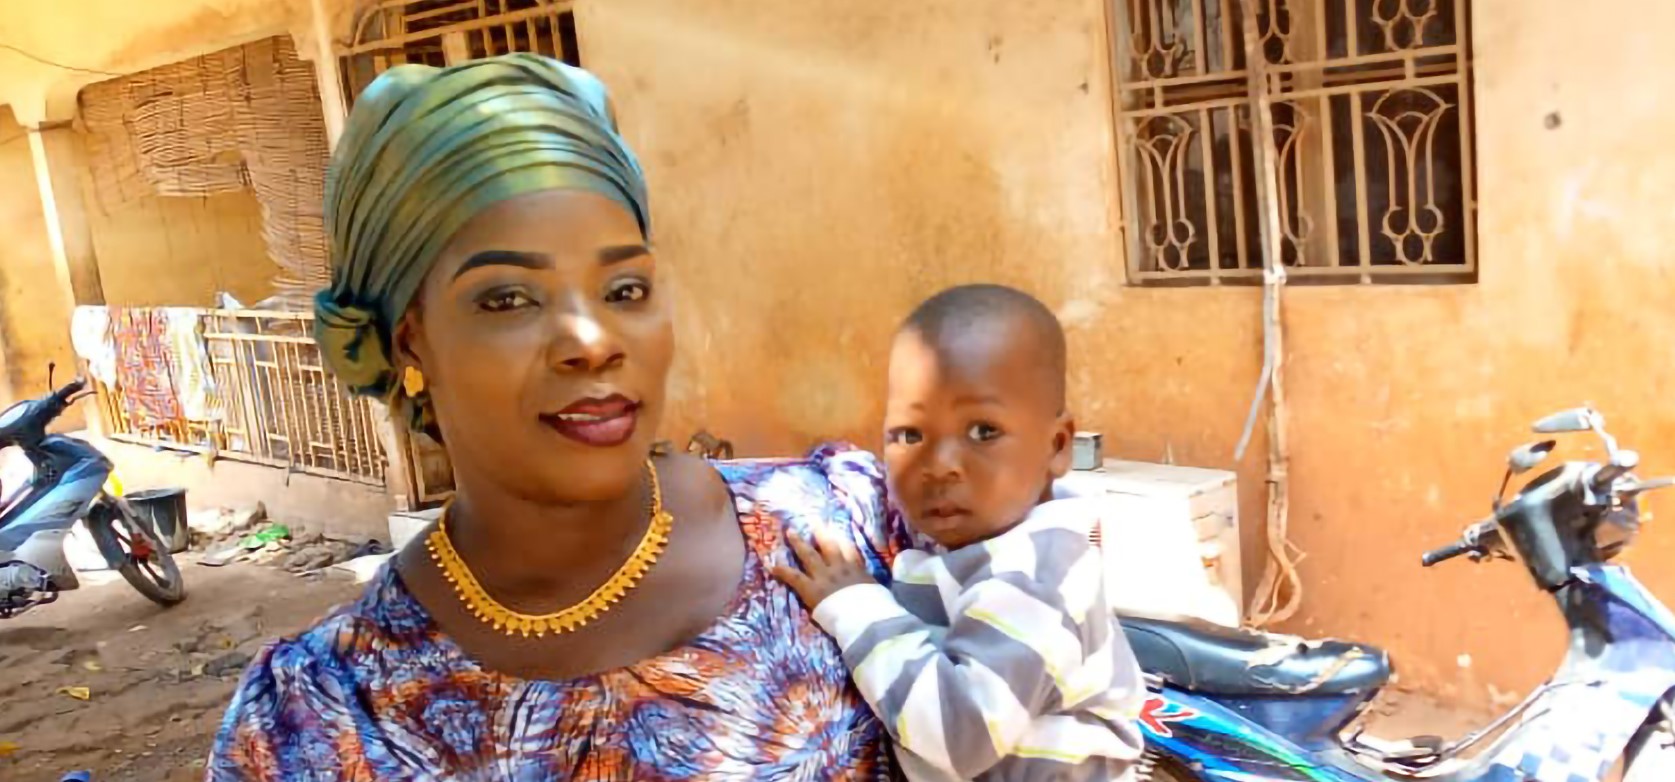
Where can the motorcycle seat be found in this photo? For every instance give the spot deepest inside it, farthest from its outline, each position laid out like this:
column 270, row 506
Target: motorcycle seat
column 1203, row 657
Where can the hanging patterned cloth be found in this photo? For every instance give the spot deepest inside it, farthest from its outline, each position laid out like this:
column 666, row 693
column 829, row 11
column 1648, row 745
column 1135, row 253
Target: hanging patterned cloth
column 189, row 364
column 144, row 370
column 90, row 335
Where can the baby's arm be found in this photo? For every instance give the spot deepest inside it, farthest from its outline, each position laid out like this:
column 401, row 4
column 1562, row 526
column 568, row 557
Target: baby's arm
column 1024, row 642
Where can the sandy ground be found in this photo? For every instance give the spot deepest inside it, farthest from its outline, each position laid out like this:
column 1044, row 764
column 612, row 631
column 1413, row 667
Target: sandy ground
column 159, row 679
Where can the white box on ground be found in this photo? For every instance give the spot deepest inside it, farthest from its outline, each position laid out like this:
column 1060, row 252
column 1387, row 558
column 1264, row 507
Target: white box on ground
column 1152, row 502
column 406, row 525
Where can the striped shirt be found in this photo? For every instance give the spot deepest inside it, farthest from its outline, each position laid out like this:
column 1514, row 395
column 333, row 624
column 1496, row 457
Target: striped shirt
column 997, row 661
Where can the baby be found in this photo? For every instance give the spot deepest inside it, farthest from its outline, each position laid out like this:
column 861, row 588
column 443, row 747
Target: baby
column 993, row 656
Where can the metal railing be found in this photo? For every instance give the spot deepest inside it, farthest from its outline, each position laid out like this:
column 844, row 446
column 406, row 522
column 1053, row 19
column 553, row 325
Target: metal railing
column 1373, row 129
column 270, row 402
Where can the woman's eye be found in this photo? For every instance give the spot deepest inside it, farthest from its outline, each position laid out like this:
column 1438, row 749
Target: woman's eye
column 904, row 436
column 504, row 301
column 629, row 292
column 982, row 433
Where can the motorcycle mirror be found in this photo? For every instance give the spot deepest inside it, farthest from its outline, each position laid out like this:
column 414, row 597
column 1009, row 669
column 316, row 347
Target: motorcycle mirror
column 1577, row 419
column 51, row 367
column 1527, row 456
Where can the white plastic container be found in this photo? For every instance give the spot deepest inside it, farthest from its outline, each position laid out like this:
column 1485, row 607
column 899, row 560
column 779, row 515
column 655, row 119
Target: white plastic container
column 1170, row 537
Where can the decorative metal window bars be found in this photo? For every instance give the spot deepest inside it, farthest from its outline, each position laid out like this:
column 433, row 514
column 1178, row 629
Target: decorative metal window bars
column 1372, row 122
column 443, row 32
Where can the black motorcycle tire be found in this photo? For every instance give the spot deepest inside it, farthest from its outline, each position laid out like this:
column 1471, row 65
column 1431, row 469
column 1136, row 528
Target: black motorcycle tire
column 158, row 576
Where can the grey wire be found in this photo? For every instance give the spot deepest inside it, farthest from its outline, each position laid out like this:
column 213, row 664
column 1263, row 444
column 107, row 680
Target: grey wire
column 45, row 61
column 1268, row 317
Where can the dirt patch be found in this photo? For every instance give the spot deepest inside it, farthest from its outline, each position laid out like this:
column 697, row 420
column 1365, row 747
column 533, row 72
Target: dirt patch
column 157, row 680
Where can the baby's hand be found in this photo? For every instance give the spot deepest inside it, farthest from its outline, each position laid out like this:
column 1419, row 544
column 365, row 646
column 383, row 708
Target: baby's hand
column 830, row 563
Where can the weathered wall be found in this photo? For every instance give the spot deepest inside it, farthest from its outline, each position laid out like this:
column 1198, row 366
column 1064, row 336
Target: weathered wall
column 1425, row 386
column 126, row 37
column 158, row 250
column 33, row 322
column 829, row 163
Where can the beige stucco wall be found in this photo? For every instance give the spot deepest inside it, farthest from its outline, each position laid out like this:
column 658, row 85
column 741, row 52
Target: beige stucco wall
column 121, row 36
column 34, row 324
column 152, row 250
column 829, row 163
column 159, row 250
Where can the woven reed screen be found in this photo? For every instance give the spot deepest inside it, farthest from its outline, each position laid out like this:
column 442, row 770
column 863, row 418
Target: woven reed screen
column 246, row 117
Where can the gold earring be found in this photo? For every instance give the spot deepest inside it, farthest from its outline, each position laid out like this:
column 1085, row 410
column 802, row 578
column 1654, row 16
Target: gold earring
column 412, row 381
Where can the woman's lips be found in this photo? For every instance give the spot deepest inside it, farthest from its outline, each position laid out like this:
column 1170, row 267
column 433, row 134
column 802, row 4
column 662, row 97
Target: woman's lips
column 601, row 423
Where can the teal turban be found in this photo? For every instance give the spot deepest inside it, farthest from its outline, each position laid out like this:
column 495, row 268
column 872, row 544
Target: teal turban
column 424, row 151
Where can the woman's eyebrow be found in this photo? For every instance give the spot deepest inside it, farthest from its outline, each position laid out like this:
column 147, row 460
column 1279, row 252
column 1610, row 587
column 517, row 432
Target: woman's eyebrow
column 622, row 252
column 522, row 260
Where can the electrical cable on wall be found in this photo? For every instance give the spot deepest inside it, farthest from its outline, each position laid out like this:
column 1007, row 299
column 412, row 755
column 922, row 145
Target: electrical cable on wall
column 1280, row 592
column 44, row 61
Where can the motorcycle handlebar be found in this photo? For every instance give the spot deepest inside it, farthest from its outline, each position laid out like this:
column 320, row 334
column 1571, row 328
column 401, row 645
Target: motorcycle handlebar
column 71, row 389
column 1473, row 541
column 1450, row 551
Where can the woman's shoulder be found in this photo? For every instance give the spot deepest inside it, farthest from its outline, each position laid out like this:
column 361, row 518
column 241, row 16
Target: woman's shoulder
column 833, row 460
column 376, row 623
column 307, row 689
column 834, row 473
column 834, row 486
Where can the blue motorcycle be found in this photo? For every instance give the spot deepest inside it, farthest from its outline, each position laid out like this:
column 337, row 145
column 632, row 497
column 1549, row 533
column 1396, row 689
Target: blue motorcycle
column 71, row 483
column 1238, row 706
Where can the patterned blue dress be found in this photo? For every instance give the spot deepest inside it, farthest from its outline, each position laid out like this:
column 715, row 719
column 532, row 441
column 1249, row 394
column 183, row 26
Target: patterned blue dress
column 376, row 692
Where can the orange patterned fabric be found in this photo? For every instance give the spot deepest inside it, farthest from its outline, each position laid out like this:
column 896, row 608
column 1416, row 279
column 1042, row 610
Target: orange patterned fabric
column 376, row 692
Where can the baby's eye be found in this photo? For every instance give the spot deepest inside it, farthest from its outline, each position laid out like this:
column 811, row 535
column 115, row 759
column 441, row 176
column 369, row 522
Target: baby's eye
column 904, row 436
column 629, row 292
column 982, row 433
column 504, row 301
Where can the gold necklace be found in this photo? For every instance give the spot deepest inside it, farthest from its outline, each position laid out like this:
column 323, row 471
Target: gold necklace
column 490, row 611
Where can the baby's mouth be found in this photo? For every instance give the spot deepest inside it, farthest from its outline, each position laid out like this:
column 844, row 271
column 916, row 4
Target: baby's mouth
column 946, row 512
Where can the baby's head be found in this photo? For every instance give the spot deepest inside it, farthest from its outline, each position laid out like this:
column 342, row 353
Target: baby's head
column 975, row 426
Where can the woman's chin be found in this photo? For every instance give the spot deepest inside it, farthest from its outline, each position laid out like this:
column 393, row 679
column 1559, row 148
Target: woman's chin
column 591, row 474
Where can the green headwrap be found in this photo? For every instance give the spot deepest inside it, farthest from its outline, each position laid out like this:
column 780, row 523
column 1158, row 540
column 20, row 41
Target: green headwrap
column 424, row 151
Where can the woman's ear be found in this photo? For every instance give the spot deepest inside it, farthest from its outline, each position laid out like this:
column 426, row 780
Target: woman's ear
column 1064, row 444
column 407, row 342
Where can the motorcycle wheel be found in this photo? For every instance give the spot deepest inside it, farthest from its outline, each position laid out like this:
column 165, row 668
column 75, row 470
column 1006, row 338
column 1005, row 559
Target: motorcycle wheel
column 144, row 562
column 1652, row 755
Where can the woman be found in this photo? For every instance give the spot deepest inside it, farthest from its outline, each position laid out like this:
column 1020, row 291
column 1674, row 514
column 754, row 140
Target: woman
column 581, row 611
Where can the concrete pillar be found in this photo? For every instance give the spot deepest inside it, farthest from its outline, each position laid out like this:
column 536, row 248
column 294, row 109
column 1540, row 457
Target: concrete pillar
column 58, row 160
column 326, row 71
column 57, row 153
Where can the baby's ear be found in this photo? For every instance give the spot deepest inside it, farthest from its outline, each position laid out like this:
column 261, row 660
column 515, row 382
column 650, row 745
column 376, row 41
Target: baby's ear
column 1064, row 444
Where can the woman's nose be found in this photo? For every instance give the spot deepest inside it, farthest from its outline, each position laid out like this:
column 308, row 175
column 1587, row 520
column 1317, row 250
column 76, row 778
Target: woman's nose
column 585, row 343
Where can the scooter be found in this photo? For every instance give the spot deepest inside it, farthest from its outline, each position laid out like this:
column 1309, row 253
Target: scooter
column 70, row 484
column 1229, row 705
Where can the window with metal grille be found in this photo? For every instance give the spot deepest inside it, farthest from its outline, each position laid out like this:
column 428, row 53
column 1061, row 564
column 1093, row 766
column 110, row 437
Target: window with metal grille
column 444, row 32
column 1371, row 105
